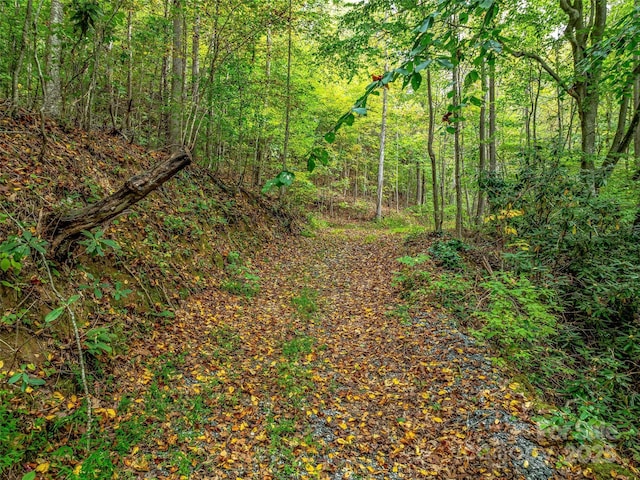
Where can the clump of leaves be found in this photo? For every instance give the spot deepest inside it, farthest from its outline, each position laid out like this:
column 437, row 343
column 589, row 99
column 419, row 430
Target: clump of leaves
column 241, row 278
column 96, row 244
column 17, row 248
column 306, row 302
column 446, row 253
column 519, row 318
column 24, row 379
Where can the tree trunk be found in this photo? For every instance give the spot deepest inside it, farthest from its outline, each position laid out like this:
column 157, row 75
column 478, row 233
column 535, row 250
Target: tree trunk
column 493, row 165
column 53, row 94
column 287, row 115
column 437, row 218
column 383, row 138
column 457, row 149
column 177, row 80
column 482, row 147
column 63, row 229
column 22, row 48
column 127, row 118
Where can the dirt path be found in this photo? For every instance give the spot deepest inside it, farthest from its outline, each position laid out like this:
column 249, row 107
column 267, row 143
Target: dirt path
column 316, row 377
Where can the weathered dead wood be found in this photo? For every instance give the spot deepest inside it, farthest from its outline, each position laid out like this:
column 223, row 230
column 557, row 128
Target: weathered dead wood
column 65, row 228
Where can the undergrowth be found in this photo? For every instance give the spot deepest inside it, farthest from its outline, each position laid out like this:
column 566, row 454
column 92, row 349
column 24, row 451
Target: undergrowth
column 522, row 320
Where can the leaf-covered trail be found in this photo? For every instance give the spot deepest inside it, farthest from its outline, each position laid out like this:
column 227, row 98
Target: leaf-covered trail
column 269, row 388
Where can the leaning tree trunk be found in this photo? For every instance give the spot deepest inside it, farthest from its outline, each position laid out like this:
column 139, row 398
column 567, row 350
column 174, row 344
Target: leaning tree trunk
column 63, row 229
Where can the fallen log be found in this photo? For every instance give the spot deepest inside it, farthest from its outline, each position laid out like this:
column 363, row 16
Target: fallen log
column 62, row 229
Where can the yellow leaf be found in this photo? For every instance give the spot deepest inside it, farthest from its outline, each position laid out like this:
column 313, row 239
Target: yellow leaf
column 526, row 464
column 534, row 453
column 43, row 467
column 111, row 413
column 436, row 419
column 1, row 364
column 78, row 469
column 343, row 425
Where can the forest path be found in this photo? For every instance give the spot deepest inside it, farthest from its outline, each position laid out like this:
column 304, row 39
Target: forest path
column 321, row 375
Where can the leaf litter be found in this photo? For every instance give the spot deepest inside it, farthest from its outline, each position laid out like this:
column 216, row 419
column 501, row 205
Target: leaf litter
column 238, row 387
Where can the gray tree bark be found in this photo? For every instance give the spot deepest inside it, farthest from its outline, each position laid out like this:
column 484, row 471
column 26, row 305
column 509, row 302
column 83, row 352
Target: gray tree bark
column 53, row 94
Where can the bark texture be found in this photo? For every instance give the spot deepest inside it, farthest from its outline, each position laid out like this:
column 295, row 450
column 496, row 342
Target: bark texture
column 63, row 229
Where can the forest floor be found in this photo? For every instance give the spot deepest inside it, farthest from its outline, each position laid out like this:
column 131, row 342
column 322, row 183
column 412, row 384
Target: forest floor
column 321, row 374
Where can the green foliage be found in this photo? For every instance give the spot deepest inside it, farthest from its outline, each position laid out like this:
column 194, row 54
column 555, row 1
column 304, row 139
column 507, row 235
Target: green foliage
column 445, row 253
column 17, row 248
column 297, row 347
column 99, row 340
column 24, row 379
column 119, row 291
column 240, row 278
column 410, row 279
column 56, row 312
column 413, row 261
column 519, row 319
column 96, row 245
column 306, row 303
column 283, row 179
column 566, row 231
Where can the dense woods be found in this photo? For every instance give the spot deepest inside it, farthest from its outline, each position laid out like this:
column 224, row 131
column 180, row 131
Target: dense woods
column 508, row 129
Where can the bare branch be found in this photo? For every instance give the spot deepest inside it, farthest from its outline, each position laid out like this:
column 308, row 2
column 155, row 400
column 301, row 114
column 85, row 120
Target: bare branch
column 543, row 63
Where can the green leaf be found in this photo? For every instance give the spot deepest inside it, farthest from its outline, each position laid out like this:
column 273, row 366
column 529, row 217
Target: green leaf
column 35, row 381
column 451, row 129
column 330, row 137
column 323, row 156
column 485, row 4
column 311, row 163
column 15, row 378
column 360, row 111
column 425, row 25
column 416, row 80
column 388, row 77
column 54, row 314
column 29, row 476
column 349, row 119
column 423, row 65
column 286, row 178
column 475, row 101
column 5, row 264
column 445, row 62
column 464, row 18
column 472, row 77
column 73, row 298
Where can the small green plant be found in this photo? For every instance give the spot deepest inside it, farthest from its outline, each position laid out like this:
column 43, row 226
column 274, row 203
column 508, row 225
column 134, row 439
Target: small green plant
column 241, row 279
column 413, row 261
column 96, row 244
column 56, row 312
column 16, row 248
column 99, row 340
column 410, row 279
column 119, row 292
column 10, row 317
column 446, row 253
column 519, row 318
column 24, row 379
column 95, row 286
column 306, row 302
column 402, row 313
column 297, row 346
